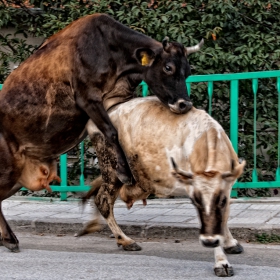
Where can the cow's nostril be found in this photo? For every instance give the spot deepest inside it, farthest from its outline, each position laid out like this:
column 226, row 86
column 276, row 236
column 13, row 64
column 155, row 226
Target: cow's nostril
column 182, row 105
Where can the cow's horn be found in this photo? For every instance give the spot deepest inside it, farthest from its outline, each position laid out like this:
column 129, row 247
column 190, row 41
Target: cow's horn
column 179, row 171
column 195, row 48
column 165, row 43
column 174, row 164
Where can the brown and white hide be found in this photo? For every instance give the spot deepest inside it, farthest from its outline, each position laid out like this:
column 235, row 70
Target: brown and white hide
column 168, row 155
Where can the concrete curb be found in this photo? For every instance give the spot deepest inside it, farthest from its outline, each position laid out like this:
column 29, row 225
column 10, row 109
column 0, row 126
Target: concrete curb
column 162, row 218
column 140, row 230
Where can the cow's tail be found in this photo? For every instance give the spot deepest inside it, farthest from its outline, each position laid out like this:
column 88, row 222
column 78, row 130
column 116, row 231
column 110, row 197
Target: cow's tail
column 95, row 186
column 95, row 224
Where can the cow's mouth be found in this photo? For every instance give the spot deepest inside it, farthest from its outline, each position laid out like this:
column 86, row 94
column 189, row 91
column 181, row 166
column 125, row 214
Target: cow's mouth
column 180, row 107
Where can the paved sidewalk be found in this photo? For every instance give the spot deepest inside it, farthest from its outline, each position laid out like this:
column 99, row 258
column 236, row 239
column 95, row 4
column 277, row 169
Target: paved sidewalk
column 161, row 218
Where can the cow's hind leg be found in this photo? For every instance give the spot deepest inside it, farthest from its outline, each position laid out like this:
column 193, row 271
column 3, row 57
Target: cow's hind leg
column 95, row 224
column 7, row 237
column 104, row 201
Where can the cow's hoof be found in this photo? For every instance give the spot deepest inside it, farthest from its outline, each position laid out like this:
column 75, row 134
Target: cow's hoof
column 225, row 271
column 13, row 247
column 238, row 249
column 132, row 247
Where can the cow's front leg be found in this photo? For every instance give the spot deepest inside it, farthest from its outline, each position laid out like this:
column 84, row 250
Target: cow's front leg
column 231, row 245
column 104, row 201
column 93, row 106
column 222, row 266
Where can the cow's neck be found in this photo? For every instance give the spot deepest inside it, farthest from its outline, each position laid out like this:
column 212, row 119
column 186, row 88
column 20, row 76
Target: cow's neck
column 123, row 42
column 123, row 37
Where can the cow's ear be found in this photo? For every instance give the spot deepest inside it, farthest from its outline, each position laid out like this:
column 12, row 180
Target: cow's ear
column 145, row 56
column 236, row 171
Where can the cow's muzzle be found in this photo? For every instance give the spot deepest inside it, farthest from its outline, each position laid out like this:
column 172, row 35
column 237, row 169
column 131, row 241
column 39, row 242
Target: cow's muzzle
column 181, row 106
column 211, row 241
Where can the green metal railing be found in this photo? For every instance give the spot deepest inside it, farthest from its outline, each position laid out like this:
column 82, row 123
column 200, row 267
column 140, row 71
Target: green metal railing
column 234, row 83
column 210, row 79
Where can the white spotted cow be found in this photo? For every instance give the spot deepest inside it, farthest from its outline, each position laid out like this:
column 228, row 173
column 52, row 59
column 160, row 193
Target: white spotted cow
column 169, row 154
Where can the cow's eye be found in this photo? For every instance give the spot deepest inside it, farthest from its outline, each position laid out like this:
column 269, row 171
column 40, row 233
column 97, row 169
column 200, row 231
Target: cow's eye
column 167, row 69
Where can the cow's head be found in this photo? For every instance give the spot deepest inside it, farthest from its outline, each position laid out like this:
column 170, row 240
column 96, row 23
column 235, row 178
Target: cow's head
column 210, row 194
column 166, row 71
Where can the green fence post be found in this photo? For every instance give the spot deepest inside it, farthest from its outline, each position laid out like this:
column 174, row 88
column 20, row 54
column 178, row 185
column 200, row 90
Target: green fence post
column 144, row 89
column 278, row 160
column 255, row 89
column 210, row 94
column 234, row 122
column 63, row 176
column 82, row 177
column 188, row 88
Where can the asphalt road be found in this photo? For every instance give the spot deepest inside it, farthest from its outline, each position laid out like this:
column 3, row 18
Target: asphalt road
column 95, row 257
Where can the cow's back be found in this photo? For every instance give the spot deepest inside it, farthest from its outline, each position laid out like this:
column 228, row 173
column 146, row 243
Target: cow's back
column 150, row 135
column 39, row 95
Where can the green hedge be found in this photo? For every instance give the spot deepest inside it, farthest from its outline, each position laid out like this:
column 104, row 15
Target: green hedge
column 239, row 36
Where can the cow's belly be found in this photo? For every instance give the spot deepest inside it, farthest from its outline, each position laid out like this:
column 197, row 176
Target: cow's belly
column 43, row 142
column 40, row 125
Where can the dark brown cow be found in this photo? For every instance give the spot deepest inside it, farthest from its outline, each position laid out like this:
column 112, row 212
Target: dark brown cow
column 76, row 75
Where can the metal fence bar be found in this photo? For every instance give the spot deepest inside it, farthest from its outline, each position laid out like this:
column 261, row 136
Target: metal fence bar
column 188, row 88
column 278, row 160
column 63, row 177
column 234, row 122
column 234, row 114
column 235, row 76
column 255, row 89
column 210, row 95
column 144, row 89
column 82, row 177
